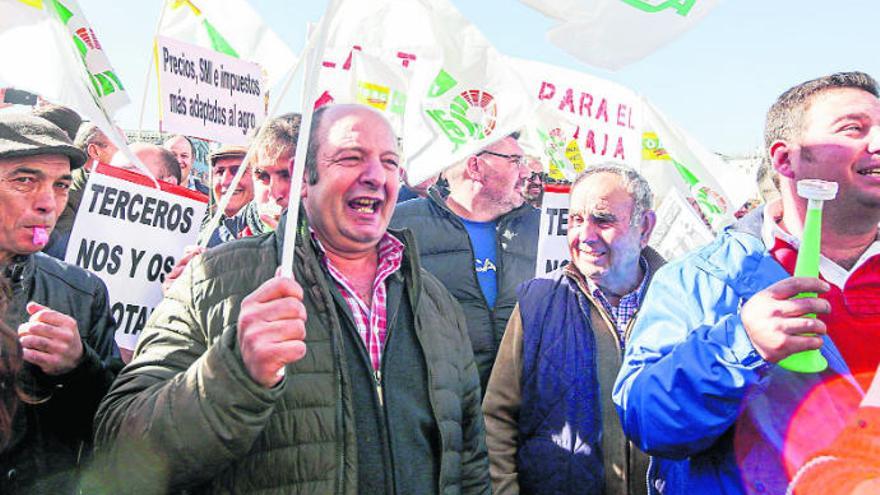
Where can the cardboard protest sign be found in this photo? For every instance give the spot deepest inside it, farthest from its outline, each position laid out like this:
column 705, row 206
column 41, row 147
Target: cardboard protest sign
column 208, row 94
column 552, row 240
column 130, row 235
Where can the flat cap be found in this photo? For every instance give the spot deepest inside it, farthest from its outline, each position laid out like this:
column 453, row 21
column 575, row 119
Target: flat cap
column 65, row 118
column 28, row 135
column 227, row 151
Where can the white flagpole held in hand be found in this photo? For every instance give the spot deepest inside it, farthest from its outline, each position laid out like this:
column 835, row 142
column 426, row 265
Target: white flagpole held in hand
column 221, row 206
column 302, row 143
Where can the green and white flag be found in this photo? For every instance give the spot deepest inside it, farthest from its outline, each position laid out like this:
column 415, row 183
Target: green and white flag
column 231, row 27
column 615, row 33
column 49, row 48
column 469, row 99
column 583, row 120
column 673, row 160
column 38, row 53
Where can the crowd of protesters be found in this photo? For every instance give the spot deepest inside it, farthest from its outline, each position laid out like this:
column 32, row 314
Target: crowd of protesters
column 414, row 352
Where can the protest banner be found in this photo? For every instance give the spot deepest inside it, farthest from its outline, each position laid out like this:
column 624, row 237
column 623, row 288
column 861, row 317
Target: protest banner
column 207, row 94
column 614, row 33
column 581, row 119
column 130, row 235
column 553, row 249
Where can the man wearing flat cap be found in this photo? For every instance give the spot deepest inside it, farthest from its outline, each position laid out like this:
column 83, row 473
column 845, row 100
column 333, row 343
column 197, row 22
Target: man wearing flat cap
column 61, row 313
column 224, row 165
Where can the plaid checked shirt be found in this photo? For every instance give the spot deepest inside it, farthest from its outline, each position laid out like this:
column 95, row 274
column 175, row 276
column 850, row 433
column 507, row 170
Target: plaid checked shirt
column 628, row 304
column 370, row 321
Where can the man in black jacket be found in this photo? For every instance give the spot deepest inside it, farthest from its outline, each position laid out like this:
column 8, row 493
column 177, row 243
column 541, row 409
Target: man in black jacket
column 60, row 311
column 480, row 241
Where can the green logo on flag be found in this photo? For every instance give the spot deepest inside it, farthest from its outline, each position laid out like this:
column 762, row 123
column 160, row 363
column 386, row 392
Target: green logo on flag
column 104, row 83
column 709, row 202
column 682, row 7
column 471, row 114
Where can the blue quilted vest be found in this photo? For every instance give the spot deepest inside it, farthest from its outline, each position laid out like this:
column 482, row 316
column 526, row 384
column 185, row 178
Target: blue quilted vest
column 560, row 426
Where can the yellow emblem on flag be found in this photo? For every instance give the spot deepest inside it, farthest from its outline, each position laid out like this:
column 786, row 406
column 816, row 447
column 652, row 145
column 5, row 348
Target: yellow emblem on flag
column 37, row 4
column 651, row 149
column 176, row 4
column 373, row 95
column 573, row 153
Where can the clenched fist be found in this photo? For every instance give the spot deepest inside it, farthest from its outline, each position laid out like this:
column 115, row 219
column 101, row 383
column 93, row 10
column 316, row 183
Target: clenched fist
column 776, row 323
column 272, row 329
column 50, row 340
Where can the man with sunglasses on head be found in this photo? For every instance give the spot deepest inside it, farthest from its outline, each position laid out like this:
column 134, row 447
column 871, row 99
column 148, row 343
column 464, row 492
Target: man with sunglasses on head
column 483, row 227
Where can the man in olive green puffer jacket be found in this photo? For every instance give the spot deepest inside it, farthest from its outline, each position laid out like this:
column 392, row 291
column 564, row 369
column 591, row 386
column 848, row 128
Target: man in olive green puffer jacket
column 391, row 408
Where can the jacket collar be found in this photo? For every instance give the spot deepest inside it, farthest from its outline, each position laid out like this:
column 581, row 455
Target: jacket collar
column 752, row 223
column 306, row 251
column 652, row 257
column 20, row 270
column 439, row 202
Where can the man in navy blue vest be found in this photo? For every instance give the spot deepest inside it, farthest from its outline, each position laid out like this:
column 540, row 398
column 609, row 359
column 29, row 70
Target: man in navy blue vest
column 550, row 424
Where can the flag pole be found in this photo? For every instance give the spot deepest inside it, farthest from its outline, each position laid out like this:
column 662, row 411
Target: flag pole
column 224, row 201
column 302, row 142
column 152, row 60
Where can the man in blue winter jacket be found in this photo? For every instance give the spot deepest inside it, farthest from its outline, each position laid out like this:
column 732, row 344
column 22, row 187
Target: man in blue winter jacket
column 699, row 388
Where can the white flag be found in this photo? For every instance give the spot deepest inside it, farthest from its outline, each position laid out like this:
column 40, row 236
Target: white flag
column 29, row 27
column 470, row 98
column 39, row 54
column 232, row 27
column 581, row 119
column 615, row 33
column 671, row 159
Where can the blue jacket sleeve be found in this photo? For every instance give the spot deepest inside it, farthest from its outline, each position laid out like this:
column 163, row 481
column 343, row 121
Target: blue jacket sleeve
column 687, row 366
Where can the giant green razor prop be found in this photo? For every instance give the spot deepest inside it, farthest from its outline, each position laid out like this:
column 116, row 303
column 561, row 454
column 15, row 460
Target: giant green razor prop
column 816, row 192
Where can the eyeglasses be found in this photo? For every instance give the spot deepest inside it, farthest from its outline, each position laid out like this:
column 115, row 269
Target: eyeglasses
column 517, row 160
